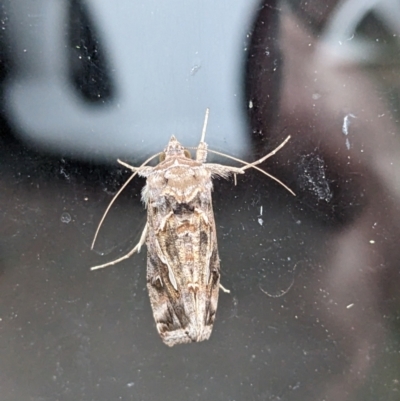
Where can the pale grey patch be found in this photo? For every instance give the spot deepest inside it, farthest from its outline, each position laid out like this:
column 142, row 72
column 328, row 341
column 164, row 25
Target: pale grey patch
column 313, row 178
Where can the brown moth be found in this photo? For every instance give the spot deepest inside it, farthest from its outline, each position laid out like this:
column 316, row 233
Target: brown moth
column 183, row 266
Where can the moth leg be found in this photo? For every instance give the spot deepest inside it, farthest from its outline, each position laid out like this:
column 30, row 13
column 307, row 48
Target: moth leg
column 143, row 171
column 222, row 170
column 128, row 166
column 226, row 171
column 224, row 289
column 129, row 254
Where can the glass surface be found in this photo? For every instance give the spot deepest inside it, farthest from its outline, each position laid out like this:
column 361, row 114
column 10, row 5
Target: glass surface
column 313, row 312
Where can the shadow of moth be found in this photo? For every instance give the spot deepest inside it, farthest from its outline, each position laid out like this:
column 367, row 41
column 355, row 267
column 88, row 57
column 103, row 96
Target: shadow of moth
column 183, row 266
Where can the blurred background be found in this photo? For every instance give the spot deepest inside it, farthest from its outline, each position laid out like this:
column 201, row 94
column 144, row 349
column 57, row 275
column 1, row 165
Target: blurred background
column 84, row 82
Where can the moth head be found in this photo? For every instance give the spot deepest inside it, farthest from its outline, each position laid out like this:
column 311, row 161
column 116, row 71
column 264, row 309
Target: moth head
column 173, row 149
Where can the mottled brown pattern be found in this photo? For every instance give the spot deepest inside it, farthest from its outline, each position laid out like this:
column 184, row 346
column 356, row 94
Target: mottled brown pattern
column 183, row 264
column 183, row 271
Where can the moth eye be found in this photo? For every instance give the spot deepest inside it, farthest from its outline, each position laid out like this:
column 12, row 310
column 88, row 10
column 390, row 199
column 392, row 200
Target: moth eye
column 162, row 156
column 187, row 154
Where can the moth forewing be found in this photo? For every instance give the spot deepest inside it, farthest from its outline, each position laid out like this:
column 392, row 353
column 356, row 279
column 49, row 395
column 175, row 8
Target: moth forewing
column 184, row 310
column 183, row 268
column 183, row 264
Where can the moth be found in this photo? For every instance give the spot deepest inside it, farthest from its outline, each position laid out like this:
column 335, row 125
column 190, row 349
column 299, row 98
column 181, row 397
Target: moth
column 183, row 266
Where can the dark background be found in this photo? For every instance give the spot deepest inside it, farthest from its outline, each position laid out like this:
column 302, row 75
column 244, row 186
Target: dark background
column 70, row 334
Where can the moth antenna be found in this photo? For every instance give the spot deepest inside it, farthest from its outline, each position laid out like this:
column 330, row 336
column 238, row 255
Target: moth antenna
column 118, row 193
column 276, row 150
column 241, row 161
column 254, row 164
column 203, row 132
